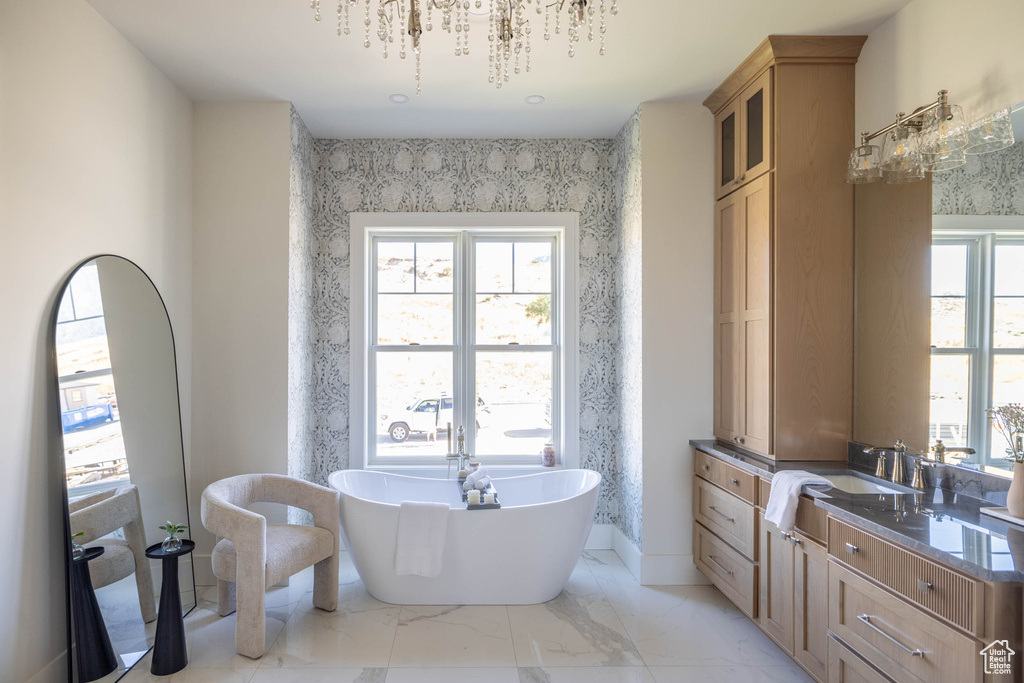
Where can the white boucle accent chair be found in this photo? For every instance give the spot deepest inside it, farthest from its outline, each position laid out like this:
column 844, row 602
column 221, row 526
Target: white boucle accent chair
column 102, row 514
column 251, row 555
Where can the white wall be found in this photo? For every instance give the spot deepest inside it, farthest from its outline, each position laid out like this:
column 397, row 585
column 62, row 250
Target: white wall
column 240, row 313
column 971, row 50
column 95, row 156
column 678, row 238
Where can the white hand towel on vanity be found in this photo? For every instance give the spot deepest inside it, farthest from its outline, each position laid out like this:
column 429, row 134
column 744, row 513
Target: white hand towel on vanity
column 422, row 530
column 473, row 478
column 785, row 496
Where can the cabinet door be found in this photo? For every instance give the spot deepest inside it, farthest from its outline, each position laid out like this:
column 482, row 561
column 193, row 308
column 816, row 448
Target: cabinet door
column 776, row 606
column 810, row 606
column 727, row 149
column 846, row 667
column 728, row 401
column 754, row 313
column 754, row 106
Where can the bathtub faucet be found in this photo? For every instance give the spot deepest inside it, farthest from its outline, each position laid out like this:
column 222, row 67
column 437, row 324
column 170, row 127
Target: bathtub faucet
column 461, row 455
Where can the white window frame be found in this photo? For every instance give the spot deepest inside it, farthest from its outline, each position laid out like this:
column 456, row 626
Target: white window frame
column 565, row 327
column 981, row 234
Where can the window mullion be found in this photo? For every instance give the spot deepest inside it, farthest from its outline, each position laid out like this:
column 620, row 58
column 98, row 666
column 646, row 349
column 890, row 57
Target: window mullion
column 981, row 385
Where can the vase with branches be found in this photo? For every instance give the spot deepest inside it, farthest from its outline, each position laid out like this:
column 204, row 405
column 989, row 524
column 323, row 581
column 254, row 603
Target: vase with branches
column 1008, row 420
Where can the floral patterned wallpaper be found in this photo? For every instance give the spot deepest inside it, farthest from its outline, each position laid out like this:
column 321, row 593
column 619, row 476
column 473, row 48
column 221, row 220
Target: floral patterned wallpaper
column 301, row 255
column 466, row 176
column 989, row 184
column 628, row 196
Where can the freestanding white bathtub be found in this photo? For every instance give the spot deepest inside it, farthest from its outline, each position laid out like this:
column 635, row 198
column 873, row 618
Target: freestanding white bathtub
column 521, row 554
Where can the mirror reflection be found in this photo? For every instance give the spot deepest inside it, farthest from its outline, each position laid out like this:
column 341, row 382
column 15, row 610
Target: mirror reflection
column 123, row 461
column 977, row 301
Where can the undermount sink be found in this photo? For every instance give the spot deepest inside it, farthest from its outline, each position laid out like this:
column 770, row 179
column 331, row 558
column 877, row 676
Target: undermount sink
column 854, row 484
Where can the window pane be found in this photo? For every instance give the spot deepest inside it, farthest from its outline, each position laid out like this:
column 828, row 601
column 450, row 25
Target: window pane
column 435, row 267
column 513, row 318
column 533, row 267
column 514, row 390
column 950, row 386
column 1009, row 270
column 1008, row 323
column 395, row 266
column 755, row 129
column 410, row 388
column 728, row 134
column 949, row 322
column 494, row 267
column 949, row 270
column 414, row 319
column 1007, row 387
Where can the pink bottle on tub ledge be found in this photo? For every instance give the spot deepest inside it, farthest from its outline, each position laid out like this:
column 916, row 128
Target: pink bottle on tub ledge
column 548, row 455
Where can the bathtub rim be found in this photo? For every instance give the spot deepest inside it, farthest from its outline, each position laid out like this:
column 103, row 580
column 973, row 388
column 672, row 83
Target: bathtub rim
column 597, row 479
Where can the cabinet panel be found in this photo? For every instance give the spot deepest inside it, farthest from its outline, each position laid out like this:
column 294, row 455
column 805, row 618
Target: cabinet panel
column 901, row 640
column 733, row 574
column 754, row 314
column 727, row 349
column 734, row 480
column 776, row 578
column 846, row 667
column 810, row 614
column 732, row 519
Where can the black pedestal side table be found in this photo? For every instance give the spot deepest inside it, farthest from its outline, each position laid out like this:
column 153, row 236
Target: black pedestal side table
column 93, row 651
column 170, row 654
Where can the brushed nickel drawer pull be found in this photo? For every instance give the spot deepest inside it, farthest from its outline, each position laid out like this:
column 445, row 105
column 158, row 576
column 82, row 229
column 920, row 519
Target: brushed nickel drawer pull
column 705, row 467
column 794, row 540
column 715, row 562
column 923, row 585
column 786, row 535
column 866, row 618
column 722, row 514
column 741, row 440
column 734, row 481
column 851, row 548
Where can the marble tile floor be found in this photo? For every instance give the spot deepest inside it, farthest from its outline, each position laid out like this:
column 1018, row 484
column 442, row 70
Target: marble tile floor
column 603, row 628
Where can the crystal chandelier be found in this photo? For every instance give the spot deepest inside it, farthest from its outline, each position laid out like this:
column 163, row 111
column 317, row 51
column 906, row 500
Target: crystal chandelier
column 508, row 34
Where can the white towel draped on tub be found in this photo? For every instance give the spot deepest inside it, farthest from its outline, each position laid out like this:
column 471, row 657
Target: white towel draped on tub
column 422, row 530
column 785, row 496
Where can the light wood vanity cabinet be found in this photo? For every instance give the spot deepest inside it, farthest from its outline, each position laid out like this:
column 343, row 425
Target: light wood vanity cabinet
column 784, row 249
column 776, row 610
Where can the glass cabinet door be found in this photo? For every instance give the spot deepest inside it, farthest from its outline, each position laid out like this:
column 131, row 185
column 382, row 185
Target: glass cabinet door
column 755, row 111
column 727, row 143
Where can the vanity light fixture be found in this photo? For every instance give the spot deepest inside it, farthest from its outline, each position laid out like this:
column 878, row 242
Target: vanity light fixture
column 508, row 33
column 935, row 138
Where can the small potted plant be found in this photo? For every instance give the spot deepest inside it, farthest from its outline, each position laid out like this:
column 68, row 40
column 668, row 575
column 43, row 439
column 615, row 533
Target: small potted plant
column 1009, row 421
column 77, row 551
column 172, row 543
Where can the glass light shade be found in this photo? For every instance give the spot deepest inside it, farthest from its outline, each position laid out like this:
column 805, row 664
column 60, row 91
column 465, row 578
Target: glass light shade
column 863, row 165
column 990, row 134
column 900, row 151
column 944, row 130
column 909, row 175
column 946, row 160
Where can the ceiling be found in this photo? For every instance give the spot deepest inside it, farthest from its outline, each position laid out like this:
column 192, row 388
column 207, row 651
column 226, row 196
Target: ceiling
column 657, row 50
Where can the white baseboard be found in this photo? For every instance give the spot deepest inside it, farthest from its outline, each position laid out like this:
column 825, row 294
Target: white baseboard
column 649, row 570
column 56, row 671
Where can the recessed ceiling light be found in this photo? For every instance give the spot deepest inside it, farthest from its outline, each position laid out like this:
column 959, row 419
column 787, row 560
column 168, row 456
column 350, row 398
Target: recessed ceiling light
column 398, row 98
column 534, row 99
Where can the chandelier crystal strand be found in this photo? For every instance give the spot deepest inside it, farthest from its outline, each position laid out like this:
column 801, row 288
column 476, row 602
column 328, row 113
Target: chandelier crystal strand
column 602, row 29
column 590, row 22
column 615, row 7
column 547, row 23
column 366, row 43
column 558, row 22
column 465, row 26
column 527, row 29
column 401, row 29
column 316, row 6
column 519, row 34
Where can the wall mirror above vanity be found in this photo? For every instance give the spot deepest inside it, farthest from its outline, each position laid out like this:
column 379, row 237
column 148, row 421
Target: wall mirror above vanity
column 940, row 306
column 123, row 460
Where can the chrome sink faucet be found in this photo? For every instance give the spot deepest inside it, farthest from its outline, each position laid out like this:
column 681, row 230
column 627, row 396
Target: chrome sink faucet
column 899, row 450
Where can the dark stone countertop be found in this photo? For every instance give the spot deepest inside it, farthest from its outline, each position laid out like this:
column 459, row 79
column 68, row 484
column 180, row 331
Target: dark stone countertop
column 937, row 522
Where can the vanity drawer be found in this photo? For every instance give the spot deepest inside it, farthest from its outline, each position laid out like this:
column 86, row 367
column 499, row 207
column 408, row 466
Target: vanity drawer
column 732, row 519
column 811, row 520
column 903, row 642
column 732, row 479
column 844, row 666
column 956, row 598
column 733, row 574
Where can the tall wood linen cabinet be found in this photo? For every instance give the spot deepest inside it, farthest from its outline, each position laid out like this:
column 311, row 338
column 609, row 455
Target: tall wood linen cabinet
column 784, row 127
